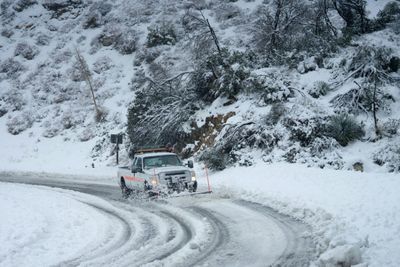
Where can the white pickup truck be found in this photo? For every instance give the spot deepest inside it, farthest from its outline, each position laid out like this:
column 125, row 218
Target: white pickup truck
column 156, row 172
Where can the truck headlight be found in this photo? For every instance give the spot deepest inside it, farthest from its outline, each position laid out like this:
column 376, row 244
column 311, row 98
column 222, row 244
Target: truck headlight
column 154, row 181
column 193, row 176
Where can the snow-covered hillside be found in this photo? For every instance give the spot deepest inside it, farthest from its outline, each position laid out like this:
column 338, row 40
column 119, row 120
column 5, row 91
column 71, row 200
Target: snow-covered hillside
column 47, row 112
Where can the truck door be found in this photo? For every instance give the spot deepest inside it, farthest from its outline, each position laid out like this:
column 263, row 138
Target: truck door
column 137, row 180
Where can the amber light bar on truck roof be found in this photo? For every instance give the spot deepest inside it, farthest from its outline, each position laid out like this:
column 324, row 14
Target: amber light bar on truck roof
column 154, row 149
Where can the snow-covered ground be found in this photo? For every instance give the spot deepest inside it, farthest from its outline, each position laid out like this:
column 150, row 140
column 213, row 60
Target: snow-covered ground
column 361, row 210
column 43, row 227
column 349, row 212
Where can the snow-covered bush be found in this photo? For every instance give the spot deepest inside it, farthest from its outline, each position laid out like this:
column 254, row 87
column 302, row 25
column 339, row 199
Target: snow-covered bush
column 96, row 13
column 215, row 159
column 51, row 128
column 391, row 127
column 21, row 5
column 163, row 34
column 43, row 39
column 275, row 114
column 389, row 156
column 304, row 131
column 11, row 67
column 226, row 11
column 319, row 88
column 389, row 13
column 221, row 74
column 76, row 73
column 272, row 86
column 12, row 101
column 301, row 29
column 102, row 64
column 86, row 134
column 122, row 38
column 147, row 55
column 59, row 7
column 25, row 50
column 7, row 33
column 94, row 20
column 20, row 122
column 102, row 7
column 344, row 129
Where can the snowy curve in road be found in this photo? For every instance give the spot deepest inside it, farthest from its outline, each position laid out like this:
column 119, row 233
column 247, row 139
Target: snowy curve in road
column 102, row 229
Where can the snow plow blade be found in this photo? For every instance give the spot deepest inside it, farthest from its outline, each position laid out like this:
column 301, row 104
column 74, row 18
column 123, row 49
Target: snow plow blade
column 189, row 194
column 180, row 195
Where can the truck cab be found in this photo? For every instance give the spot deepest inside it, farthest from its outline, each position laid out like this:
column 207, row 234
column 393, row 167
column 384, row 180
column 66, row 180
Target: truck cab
column 157, row 172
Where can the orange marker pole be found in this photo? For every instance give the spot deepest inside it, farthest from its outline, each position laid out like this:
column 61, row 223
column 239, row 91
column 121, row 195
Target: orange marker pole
column 208, row 179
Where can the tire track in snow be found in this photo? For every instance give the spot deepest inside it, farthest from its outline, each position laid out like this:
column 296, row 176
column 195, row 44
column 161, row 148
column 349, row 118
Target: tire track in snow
column 300, row 248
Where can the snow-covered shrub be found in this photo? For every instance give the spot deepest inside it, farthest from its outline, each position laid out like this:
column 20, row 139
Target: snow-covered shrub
column 12, row 101
column 122, row 38
column 21, row 5
column 163, row 34
column 126, row 43
column 11, row 67
column 321, row 145
column 20, row 122
column 7, row 33
column 43, row 39
column 93, row 20
column 147, row 55
column 215, row 159
column 86, row 134
column 391, row 127
column 221, row 74
column 97, row 11
column 344, row 129
column 70, row 119
column 102, row 64
column 3, row 111
column 277, row 111
column 59, row 7
column 389, row 156
column 389, row 13
column 51, row 128
column 319, row 88
column 138, row 79
column 102, row 7
column 25, row 50
column 76, row 73
column 272, row 86
column 304, row 131
column 226, row 11
column 302, row 29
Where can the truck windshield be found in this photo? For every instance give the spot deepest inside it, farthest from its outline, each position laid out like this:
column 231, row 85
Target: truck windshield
column 161, row 161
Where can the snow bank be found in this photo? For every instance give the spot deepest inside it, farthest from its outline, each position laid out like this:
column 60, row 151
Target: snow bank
column 43, row 227
column 349, row 211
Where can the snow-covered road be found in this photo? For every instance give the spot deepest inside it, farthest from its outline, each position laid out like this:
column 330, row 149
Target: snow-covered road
column 84, row 224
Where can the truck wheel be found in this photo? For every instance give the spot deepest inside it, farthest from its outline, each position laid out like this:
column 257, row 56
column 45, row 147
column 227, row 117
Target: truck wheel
column 125, row 190
column 195, row 186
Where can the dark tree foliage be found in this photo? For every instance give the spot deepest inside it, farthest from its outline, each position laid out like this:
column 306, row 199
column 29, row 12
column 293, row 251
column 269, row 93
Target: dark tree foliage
column 371, row 66
column 157, row 115
column 354, row 14
column 289, row 27
column 221, row 74
column 344, row 129
column 389, row 14
column 161, row 35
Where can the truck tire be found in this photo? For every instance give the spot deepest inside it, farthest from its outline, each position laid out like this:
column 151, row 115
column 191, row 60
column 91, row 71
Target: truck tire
column 195, row 186
column 126, row 192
